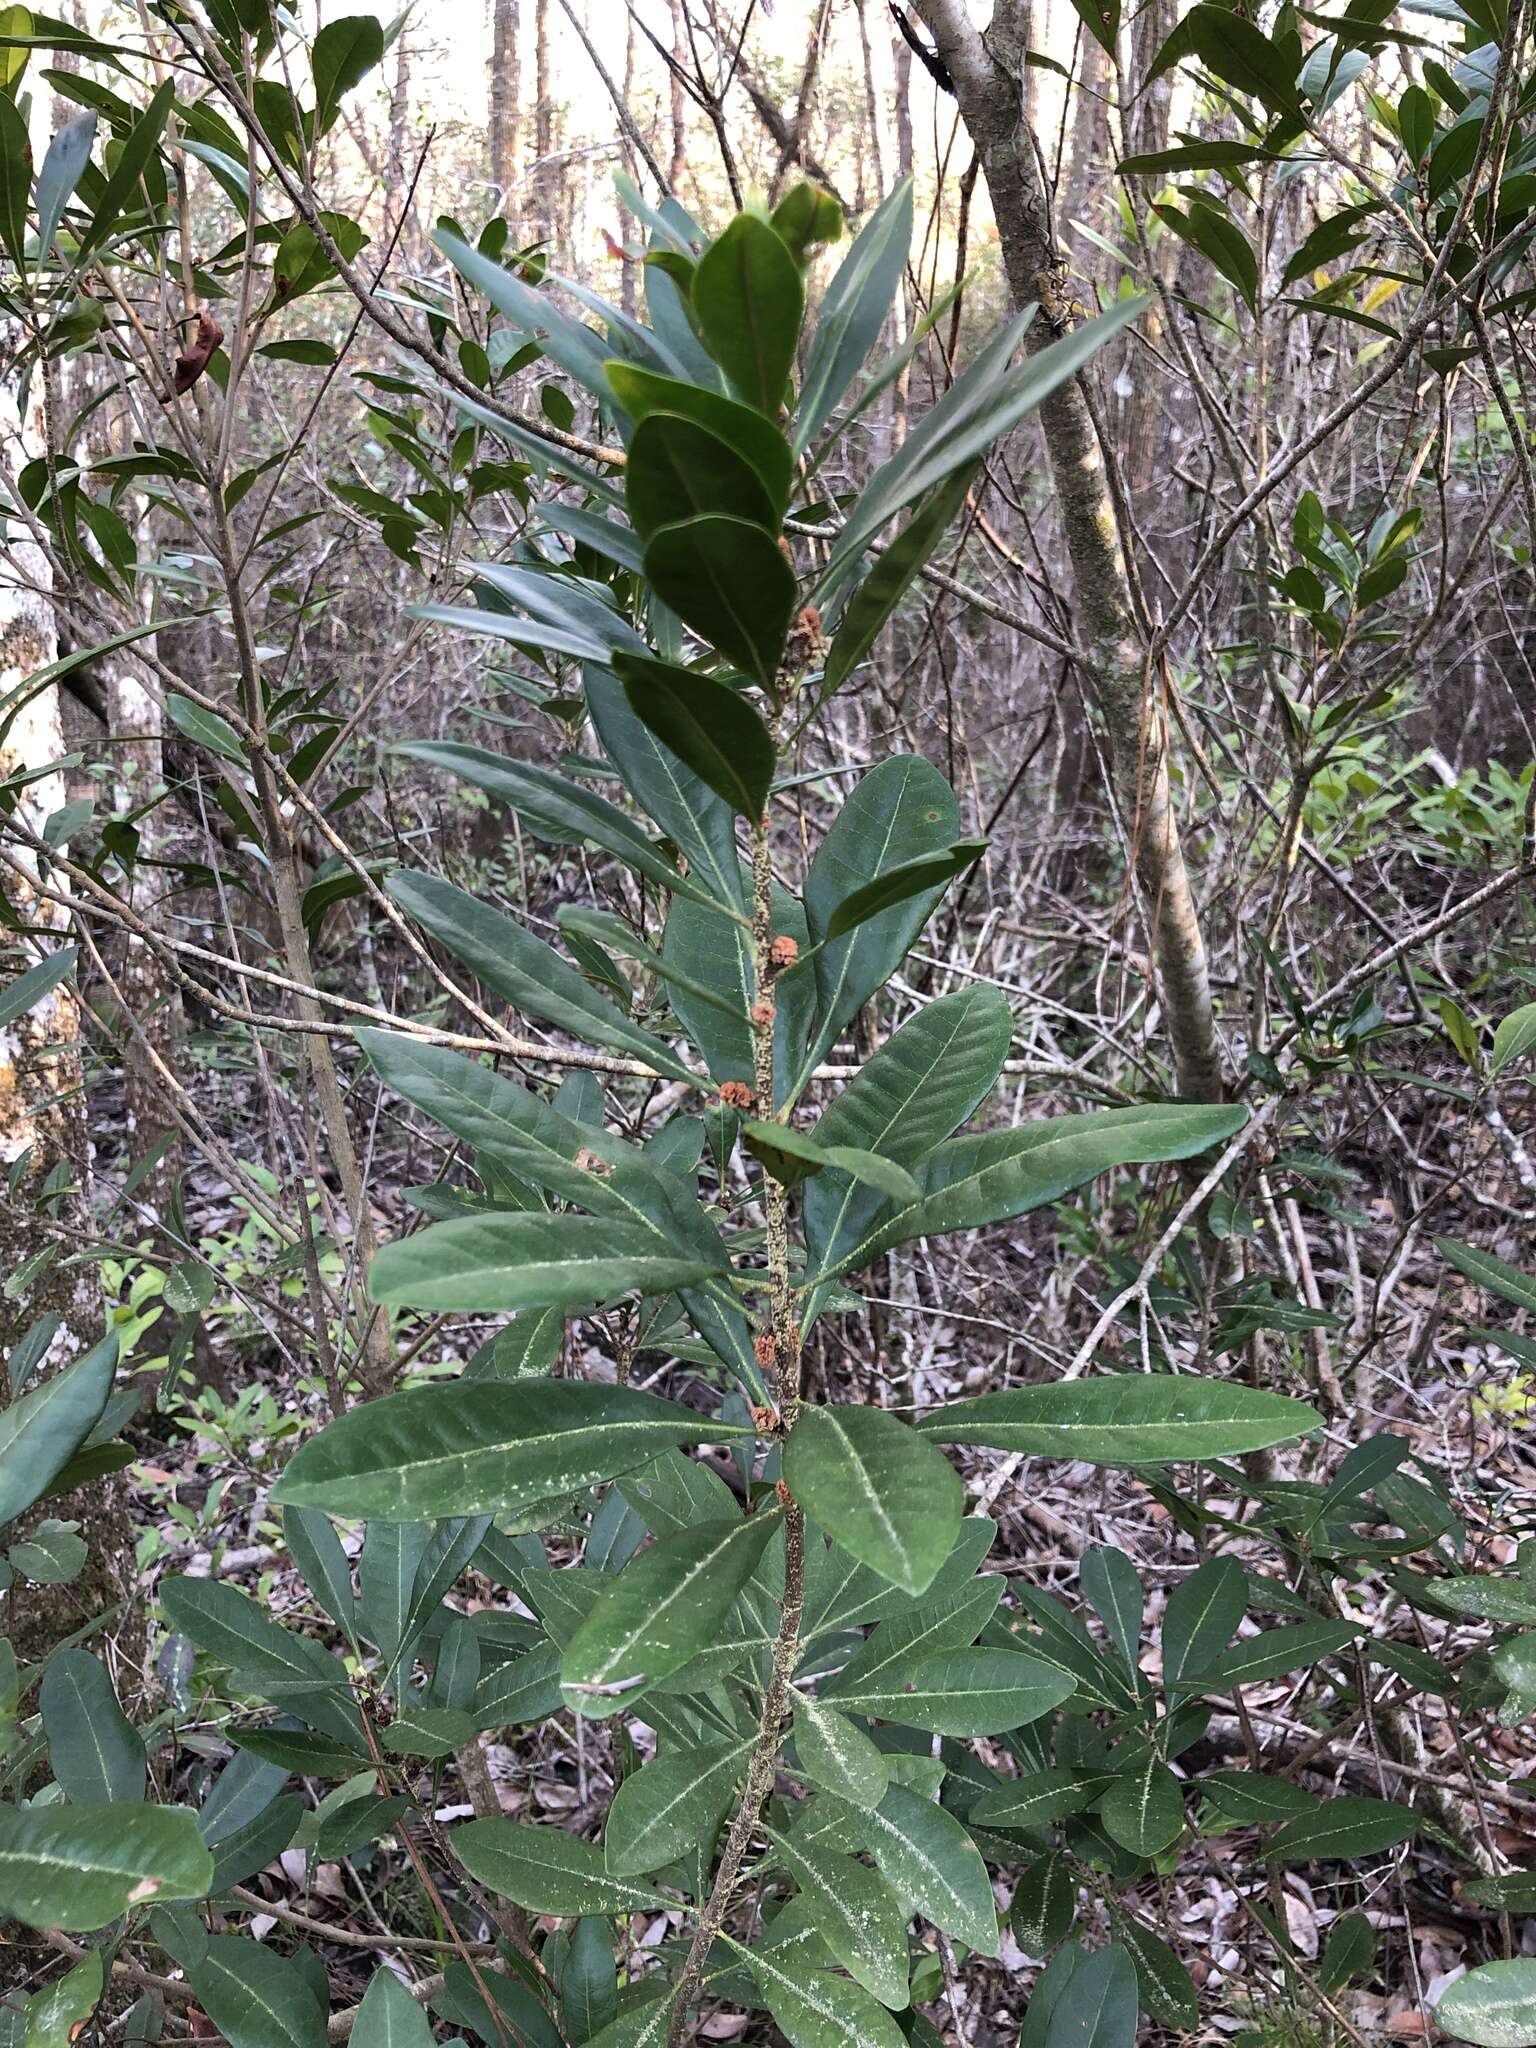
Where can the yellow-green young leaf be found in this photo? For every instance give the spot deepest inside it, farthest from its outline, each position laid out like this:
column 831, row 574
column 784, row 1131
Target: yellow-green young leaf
column 57, row 2014
column 710, row 727
column 838, row 1756
column 1342, row 1829
column 96, row 1753
column 1137, row 1419
column 814, row 2009
column 672, row 1805
column 1515, row 1037
column 1493, row 2007
column 389, row 2017
column 78, row 1867
column 502, row 1263
column 546, row 1870
column 254, row 1996
column 1145, row 1813
column 1459, row 1029
column 855, row 1912
column 665, row 1606
column 888, row 1498
column 727, row 579
column 642, row 392
column 922, row 1851
column 41, row 1432
column 748, row 297
column 678, row 468
column 479, row 1447
column 964, row 1693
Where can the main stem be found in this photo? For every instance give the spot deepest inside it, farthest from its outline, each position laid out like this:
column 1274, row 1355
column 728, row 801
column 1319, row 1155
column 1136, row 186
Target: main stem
column 785, row 1332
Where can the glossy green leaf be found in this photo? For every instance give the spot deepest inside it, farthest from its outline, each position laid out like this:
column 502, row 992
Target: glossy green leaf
column 899, row 884
column 316, row 1549
column 963, row 1693
column 1236, row 51
column 304, row 1754
column 431, row 1732
column 748, row 298
column 1249, row 1795
column 57, row 2014
column 1144, row 1813
column 668, row 1807
column 120, row 193
column 15, row 180
column 814, row 2009
column 1493, row 2006
column 663, row 1608
column 523, row 970
column 727, row 579
column 1092, row 2004
column 345, row 51
column 251, row 1846
column 853, row 311
column 1341, row 1829
column 40, row 1432
column 254, row 1996
column 641, row 392
column 96, row 1753
column 1515, row 1037
column 1275, row 1652
column 78, row 1867
column 678, row 468
column 1137, row 1419
column 1484, row 1270
column 477, row 1448
column 923, row 1852
column 1201, row 1618
column 855, row 1912
column 545, row 1870
column 792, row 1156
column 1219, row 239
column 837, row 1756
column 499, row 1264
column 389, row 2017
column 29, row 989
column 1044, row 1901
column 1052, row 1793
column 711, row 728
column 890, row 576
column 887, row 1497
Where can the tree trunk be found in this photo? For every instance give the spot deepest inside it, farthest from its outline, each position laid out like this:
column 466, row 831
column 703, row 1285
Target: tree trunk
column 679, row 104
column 543, row 123
column 986, row 72
column 506, row 86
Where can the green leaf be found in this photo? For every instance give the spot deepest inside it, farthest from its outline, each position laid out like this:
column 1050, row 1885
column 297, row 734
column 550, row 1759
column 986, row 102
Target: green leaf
column 1251, row 1796
column 1493, row 2007
column 966, row 1693
column 980, row 407
column 1110, row 1582
column 254, row 1996
column 29, row 989
column 120, row 193
column 855, row 1912
column 890, row 577
column 431, row 1732
column 791, row 1156
column 588, row 1980
column 1275, row 1652
column 96, row 1753
column 1093, row 2004
column 560, row 811
column 1212, row 230
column 57, row 2015
column 79, row 1867
column 546, row 1870
column 1350, row 1952
column 501, row 1263
column 251, row 1846
column 1515, row 1037
column 748, row 297
column 853, row 312
column 899, row 811
column 1341, row 1829
column 664, row 1607
column 1202, row 1614
column 64, row 162
column 1236, row 52
column 727, row 579
column 389, row 2017
column 1101, row 18
column 1484, row 1270
column 814, row 2009
column 316, row 1549
column 678, row 468
column 1135, row 1419
column 1144, row 1814
column 1198, row 155
column 711, row 728
column 296, row 1750
column 673, row 1805
column 898, row 884
column 15, row 180
column 1050, row 1794
column 52, row 1554
column 206, row 729
column 479, row 1447
column 345, row 51
column 888, row 1498
column 923, row 1851
column 641, row 392
column 836, row 1755
column 1044, row 1902
column 523, row 970
column 919, row 1086
column 41, row 1432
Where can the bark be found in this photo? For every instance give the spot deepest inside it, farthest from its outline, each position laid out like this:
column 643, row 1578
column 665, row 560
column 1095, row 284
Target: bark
column 543, row 123
column 396, row 181
column 1147, row 124
column 506, row 85
column 679, row 110
column 987, row 72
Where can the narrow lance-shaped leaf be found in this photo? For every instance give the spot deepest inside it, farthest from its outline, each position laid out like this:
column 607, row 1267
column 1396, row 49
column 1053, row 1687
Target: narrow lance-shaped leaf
column 1135, row 1419
column 503, row 1263
column 711, row 728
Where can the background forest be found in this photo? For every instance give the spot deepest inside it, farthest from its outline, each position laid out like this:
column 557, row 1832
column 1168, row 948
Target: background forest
column 767, row 808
